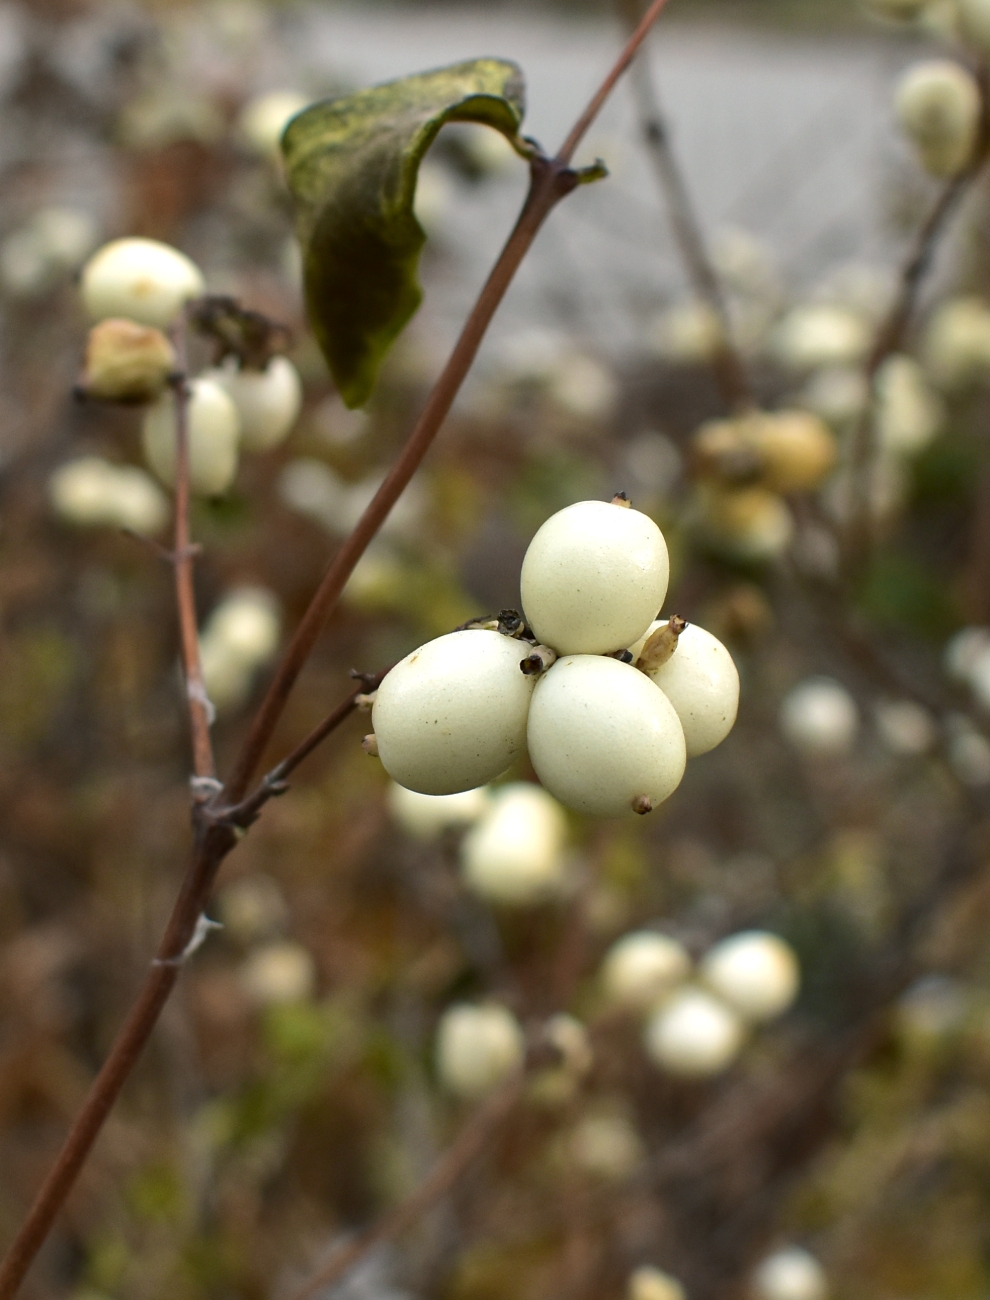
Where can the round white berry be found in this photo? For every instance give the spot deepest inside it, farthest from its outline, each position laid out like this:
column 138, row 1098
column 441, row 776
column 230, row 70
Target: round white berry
column 515, row 853
column 427, row 816
column 603, row 738
column 594, row 577
column 791, row 1274
column 694, row 1034
column 821, row 334
column 820, row 717
column 214, row 430
column 92, row 491
column 643, row 966
column 605, row 1146
column 263, row 119
column 248, row 622
column 452, row 715
column 140, row 279
column 648, row 1283
column 938, row 104
column 477, row 1047
column 268, row 401
column 279, row 973
column 701, row 682
column 756, row 973
column 964, row 651
column 909, row 414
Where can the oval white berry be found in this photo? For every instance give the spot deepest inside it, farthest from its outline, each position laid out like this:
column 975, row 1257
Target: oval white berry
column 938, row 104
column 140, row 279
column 820, row 717
column 477, row 1047
column 605, row 1146
column 648, row 1283
column 643, row 966
column 268, row 401
column 791, row 1274
column 263, row 119
column 214, row 429
column 452, row 715
column 756, row 973
column 702, row 683
column 427, row 816
column 603, row 738
column 92, row 491
column 594, row 577
column 248, row 622
column 515, row 853
column 694, row 1034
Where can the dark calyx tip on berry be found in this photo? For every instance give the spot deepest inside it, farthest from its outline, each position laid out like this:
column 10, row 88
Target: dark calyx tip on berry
column 623, row 656
column 511, row 622
column 621, row 499
column 642, row 804
column 539, row 661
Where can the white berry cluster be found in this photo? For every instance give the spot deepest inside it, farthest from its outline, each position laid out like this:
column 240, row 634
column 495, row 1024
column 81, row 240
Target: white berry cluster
column 695, row 1027
column 609, row 701
column 515, row 853
column 135, row 290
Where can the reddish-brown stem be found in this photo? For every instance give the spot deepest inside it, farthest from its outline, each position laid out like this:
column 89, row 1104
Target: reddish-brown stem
column 185, row 597
column 470, row 1142
column 727, row 364
column 214, row 835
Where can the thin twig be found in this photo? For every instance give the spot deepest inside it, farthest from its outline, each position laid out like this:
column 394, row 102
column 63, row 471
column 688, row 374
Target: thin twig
column 857, row 534
column 200, row 712
column 469, row 1144
column 551, row 180
column 727, row 364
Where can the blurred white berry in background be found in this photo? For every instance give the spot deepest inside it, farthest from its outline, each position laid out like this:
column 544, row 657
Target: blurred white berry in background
column 755, row 972
column 477, row 1047
column 791, row 1274
column 751, row 524
column 213, row 434
column 821, row 334
column 908, row 413
column 837, row 393
column 126, row 362
column 974, row 23
column 427, row 816
column 643, row 966
column 686, row 333
column 268, row 401
column 140, row 279
column 252, row 907
column 43, row 251
column 938, row 105
column 694, row 1034
column 279, row 973
column 648, row 1283
column 452, row 715
column 433, row 198
column 515, row 853
column 969, row 751
column 605, row 1146
column 963, row 651
column 956, row 344
column 240, row 636
column 91, row 491
column 820, row 717
column 263, row 119
column 905, row 727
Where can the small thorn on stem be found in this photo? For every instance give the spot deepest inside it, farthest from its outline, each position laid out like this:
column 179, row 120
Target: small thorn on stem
column 622, row 499
column 642, row 804
column 661, row 645
column 370, row 744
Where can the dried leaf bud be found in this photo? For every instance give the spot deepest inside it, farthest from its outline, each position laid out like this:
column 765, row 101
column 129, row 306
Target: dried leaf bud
column 660, row 645
column 126, row 362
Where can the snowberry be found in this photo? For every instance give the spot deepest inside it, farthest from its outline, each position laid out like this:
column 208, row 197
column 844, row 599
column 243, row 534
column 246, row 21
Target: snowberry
column 821, row 334
column 252, row 907
column 694, row 1034
column 126, row 362
column 214, row 430
column 790, row 1274
column 605, row 1146
column 820, row 717
column 452, row 715
column 603, row 738
column 92, row 491
column 248, row 621
column 963, row 652
column 754, row 972
column 515, row 853
column 570, row 1039
column 938, row 104
column 648, row 1283
column 908, row 413
column 905, row 727
column 974, row 23
column 263, row 119
column 957, row 342
column 140, row 279
column 268, row 401
column 796, row 448
column 594, row 577
column 35, row 256
column 279, row 973
column 427, row 816
column 641, row 967
column 750, row 523
column 477, row 1047
column 689, row 332
column 701, row 682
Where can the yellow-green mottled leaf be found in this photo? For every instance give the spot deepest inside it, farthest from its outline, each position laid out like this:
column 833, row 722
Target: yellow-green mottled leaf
column 352, row 165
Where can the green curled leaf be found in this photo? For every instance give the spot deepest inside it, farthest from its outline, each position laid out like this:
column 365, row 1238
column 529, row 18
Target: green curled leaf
column 352, row 165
